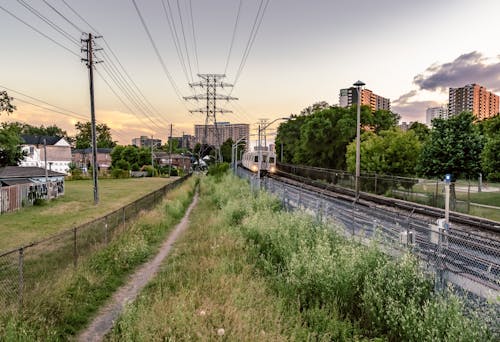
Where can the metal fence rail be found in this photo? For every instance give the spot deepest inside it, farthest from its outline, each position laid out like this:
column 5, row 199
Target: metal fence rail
column 468, row 261
column 30, row 268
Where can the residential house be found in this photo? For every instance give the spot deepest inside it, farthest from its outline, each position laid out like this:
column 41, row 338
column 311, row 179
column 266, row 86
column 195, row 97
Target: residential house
column 58, row 152
column 178, row 160
column 21, row 186
column 82, row 158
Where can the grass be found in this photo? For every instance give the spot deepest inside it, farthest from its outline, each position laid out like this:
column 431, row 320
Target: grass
column 63, row 306
column 258, row 273
column 74, row 208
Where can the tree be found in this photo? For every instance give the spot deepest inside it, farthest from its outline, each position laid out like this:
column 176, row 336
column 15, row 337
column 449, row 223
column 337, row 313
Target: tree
column 10, row 146
column 5, row 103
column 226, row 149
column 454, row 147
column 391, row 152
column 316, row 107
column 490, row 157
column 421, row 131
column 83, row 138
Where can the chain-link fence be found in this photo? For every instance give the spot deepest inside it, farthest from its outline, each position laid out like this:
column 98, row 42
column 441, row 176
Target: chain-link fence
column 417, row 190
column 28, row 270
column 468, row 261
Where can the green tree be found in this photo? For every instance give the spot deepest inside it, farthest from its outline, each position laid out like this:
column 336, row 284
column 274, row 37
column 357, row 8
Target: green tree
column 421, row 131
column 391, row 152
column 5, row 103
column 116, row 154
column 490, row 157
column 225, row 149
column 10, row 146
column 83, row 138
column 454, row 147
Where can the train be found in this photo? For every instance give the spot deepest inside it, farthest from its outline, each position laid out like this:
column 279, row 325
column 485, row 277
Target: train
column 250, row 161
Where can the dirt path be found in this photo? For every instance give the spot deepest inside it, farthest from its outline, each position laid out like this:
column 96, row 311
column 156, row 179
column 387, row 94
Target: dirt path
column 128, row 292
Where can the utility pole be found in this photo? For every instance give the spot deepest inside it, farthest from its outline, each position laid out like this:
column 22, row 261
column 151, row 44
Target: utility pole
column 46, row 170
column 152, row 155
column 89, row 49
column 210, row 83
column 170, row 152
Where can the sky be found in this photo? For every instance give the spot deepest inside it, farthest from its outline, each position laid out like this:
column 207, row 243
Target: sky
column 302, row 52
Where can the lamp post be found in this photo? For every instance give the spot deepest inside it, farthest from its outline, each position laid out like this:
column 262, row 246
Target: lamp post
column 358, row 86
column 260, row 147
column 234, row 152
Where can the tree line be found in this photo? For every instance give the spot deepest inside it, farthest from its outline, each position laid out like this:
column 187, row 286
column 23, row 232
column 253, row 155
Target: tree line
column 324, row 136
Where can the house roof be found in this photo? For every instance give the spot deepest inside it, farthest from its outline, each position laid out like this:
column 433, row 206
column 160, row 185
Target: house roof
column 38, row 139
column 26, row 172
column 89, row 150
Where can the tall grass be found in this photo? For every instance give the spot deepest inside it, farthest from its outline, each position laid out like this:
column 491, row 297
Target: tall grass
column 318, row 285
column 60, row 309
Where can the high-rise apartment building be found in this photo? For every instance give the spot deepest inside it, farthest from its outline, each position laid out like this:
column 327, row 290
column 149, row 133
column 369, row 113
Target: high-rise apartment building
column 225, row 131
column 144, row 141
column 435, row 112
column 475, row 99
column 349, row 97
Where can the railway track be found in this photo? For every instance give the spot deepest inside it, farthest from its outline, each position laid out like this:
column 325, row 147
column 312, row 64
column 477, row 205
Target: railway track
column 460, row 221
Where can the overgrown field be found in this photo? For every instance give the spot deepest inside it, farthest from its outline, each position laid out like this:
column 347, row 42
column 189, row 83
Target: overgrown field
column 74, row 208
column 58, row 310
column 248, row 271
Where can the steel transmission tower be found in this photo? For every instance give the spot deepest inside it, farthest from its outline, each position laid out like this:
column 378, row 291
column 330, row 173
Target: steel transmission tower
column 209, row 83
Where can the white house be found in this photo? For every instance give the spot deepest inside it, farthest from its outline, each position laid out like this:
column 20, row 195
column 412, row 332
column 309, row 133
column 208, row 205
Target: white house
column 58, row 152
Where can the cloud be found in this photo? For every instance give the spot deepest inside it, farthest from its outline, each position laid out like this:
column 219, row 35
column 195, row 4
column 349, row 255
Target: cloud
column 411, row 109
column 468, row 68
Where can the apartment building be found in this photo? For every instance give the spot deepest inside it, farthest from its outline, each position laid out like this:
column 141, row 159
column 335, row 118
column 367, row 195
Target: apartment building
column 224, row 131
column 349, row 97
column 473, row 98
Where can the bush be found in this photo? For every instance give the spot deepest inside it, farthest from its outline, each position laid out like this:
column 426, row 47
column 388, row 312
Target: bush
column 150, row 170
column 218, row 170
column 135, row 167
column 122, row 164
column 119, row 173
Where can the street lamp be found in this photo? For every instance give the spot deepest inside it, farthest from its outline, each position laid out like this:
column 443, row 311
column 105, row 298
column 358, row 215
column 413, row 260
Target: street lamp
column 260, row 147
column 358, row 86
column 234, row 152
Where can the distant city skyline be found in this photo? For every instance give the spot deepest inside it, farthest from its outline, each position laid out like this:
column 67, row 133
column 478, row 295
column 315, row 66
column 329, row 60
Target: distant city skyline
column 302, row 52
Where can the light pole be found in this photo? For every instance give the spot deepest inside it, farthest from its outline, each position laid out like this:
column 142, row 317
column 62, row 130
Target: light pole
column 259, row 146
column 234, row 152
column 358, row 86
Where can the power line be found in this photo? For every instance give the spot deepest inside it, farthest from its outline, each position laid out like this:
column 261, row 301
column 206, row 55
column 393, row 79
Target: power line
column 251, row 39
column 39, row 32
column 165, row 70
column 184, row 37
column 49, row 22
column 173, row 32
column 194, row 37
column 234, row 34
column 63, row 16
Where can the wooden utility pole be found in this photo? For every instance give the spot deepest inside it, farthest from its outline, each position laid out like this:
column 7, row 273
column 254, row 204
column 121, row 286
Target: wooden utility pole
column 89, row 49
column 170, row 152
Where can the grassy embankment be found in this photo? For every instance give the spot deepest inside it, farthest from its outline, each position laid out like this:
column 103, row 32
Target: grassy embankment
column 63, row 307
column 259, row 273
column 74, row 208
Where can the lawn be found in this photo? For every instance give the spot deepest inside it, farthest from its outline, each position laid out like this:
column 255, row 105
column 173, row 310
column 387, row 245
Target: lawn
column 74, row 208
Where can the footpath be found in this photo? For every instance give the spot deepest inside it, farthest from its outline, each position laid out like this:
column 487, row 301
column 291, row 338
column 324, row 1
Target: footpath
column 107, row 316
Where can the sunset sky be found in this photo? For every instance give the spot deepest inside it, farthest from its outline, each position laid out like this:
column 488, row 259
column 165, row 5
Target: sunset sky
column 303, row 52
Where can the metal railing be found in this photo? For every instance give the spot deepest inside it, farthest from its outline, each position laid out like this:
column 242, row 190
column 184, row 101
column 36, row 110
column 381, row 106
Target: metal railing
column 30, row 268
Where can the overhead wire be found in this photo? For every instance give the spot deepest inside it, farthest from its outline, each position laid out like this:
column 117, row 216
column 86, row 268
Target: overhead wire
column 251, row 39
column 40, row 32
column 184, row 38
column 60, row 110
column 173, row 32
column 128, row 81
column 194, row 37
column 233, row 36
column 50, row 23
column 63, row 16
column 162, row 62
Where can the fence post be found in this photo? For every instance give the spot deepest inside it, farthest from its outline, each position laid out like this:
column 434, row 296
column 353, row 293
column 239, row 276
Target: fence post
column 21, row 276
column 123, row 209
column 75, row 254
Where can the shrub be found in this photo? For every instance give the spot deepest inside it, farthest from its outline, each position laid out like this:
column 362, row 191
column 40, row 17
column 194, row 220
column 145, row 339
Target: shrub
column 150, row 170
column 218, row 170
column 122, row 164
column 119, row 173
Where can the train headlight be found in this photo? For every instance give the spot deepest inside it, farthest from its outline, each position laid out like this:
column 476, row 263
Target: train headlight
column 272, row 169
column 254, row 168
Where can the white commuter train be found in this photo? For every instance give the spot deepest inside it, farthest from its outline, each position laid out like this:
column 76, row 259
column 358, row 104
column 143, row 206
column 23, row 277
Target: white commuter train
column 250, row 161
